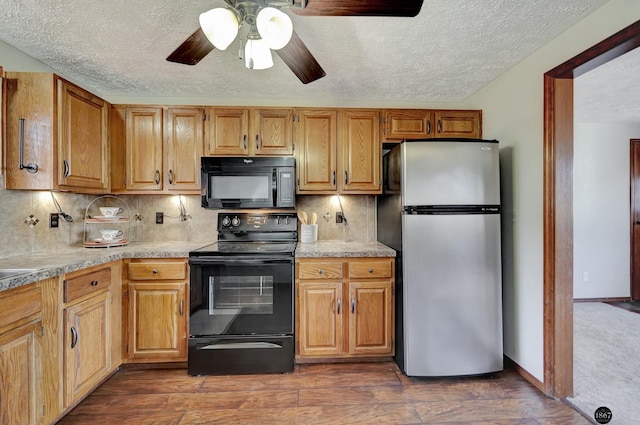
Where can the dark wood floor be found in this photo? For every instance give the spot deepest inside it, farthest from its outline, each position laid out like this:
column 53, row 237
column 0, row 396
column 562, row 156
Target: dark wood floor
column 374, row 393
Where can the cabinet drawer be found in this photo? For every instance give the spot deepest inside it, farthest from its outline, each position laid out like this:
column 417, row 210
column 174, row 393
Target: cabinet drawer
column 320, row 270
column 78, row 286
column 19, row 303
column 157, row 271
column 364, row 269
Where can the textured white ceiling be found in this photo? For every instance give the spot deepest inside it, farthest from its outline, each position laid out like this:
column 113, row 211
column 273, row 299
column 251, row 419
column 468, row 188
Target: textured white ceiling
column 117, row 49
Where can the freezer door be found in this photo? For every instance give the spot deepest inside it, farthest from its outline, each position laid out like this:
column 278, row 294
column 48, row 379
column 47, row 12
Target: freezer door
column 452, row 299
column 450, row 173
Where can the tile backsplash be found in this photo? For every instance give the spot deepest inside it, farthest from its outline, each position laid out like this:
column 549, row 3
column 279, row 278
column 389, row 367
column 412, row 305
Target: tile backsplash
column 18, row 238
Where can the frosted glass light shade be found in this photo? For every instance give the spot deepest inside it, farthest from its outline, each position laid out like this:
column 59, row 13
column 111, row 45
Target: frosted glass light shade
column 275, row 27
column 257, row 54
column 220, row 25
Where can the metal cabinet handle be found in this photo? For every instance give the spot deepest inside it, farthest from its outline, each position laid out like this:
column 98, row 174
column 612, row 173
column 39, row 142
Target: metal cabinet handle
column 74, row 337
column 334, row 177
column 154, row 271
column 257, row 144
column 94, row 283
column 170, row 176
column 353, row 305
column 181, row 307
column 244, row 141
column 320, row 271
column 339, row 305
column 157, row 179
column 428, row 126
column 32, row 168
column 439, row 126
column 67, row 168
column 370, row 270
column 346, row 177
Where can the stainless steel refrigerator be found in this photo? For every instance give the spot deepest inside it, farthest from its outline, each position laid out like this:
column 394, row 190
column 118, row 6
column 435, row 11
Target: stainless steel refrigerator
column 440, row 210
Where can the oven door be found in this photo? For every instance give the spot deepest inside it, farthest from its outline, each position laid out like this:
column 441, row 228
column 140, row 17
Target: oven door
column 241, row 296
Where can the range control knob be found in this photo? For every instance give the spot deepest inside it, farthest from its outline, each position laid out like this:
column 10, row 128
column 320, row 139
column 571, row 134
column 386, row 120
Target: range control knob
column 235, row 221
column 278, row 220
column 226, row 221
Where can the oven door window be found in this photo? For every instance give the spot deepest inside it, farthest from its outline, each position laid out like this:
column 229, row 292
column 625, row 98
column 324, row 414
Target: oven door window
column 242, row 298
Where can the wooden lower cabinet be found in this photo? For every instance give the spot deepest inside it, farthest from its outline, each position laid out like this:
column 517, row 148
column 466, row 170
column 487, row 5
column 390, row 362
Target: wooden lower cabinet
column 91, row 336
column 21, row 398
column 87, row 345
column 344, row 308
column 157, row 310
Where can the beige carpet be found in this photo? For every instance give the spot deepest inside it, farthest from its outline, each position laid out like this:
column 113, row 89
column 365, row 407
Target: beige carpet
column 606, row 356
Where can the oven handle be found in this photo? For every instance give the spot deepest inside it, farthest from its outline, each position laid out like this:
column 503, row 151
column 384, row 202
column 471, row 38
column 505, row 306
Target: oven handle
column 205, row 261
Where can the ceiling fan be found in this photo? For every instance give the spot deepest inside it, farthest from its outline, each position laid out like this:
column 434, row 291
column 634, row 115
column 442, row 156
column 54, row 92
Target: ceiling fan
column 219, row 27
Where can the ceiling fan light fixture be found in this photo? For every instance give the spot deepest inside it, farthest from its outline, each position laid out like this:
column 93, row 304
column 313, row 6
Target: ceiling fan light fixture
column 257, row 54
column 220, row 25
column 274, row 26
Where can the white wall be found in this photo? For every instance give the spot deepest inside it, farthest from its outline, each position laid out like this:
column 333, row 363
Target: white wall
column 601, row 209
column 513, row 113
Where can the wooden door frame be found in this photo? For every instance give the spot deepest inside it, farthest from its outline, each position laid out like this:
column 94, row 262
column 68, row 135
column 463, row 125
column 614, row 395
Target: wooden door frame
column 558, row 205
column 634, row 170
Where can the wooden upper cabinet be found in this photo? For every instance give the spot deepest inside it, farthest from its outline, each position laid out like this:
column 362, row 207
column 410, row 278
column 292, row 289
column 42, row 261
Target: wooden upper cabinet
column 339, row 151
column 83, row 139
column 273, row 130
column 467, row 124
column 227, row 131
column 183, row 149
column 408, row 124
column 143, row 148
column 65, row 133
column 249, row 131
column 316, row 139
column 361, row 159
column 400, row 124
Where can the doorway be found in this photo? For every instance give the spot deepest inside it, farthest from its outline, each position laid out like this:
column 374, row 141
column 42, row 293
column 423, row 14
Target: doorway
column 558, row 208
column 635, row 218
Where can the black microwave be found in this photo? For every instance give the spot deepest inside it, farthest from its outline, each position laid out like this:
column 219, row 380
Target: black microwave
column 248, row 182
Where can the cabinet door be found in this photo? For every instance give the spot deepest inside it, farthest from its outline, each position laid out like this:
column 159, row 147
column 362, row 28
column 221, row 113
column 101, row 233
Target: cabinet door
column 319, row 312
column 370, row 317
column 467, row 124
column 29, row 96
column 144, row 148
column 227, row 131
column 361, row 151
column 183, row 150
column 87, row 345
column 157, row 320
column 82, row 139
column 20, row 377
column 317, row 140
column 408, row 124
column 273, row 130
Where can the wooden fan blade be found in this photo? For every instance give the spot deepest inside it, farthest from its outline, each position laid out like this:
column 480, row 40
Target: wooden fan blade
column 404, row 8
column 300, row 60
column 194, row 48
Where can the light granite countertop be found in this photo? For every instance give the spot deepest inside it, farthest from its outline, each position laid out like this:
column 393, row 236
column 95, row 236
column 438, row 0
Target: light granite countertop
column 338, row 248
column 54, row 263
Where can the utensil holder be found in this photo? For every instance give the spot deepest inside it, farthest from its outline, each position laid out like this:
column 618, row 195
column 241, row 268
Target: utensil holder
column 308, row 233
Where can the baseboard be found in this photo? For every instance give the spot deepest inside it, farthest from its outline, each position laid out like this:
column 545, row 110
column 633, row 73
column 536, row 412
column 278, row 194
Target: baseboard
column 522, row 372
column 601, row 300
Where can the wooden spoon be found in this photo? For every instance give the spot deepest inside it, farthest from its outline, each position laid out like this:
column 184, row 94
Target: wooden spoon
column 314, row 218
column 301, row 217
column 305, row 218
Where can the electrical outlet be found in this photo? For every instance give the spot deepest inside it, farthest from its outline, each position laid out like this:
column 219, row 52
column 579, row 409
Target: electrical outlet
column 339, row 217
column 159, row 218
column 54, row 219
